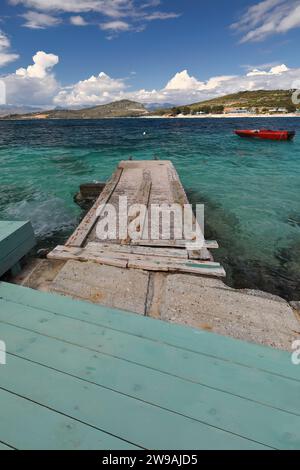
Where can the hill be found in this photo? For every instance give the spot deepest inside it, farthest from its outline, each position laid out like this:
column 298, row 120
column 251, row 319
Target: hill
column 6, row 110
column 123, row 108
column 260, row 100
column 249, row 99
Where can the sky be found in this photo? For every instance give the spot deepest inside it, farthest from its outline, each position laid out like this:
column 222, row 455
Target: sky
column 74, row 53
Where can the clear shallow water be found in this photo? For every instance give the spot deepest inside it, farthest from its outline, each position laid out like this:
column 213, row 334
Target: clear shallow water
column 251, row 188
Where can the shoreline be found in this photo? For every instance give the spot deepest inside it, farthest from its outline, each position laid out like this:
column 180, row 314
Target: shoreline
column 224, row 116
column 187, row 116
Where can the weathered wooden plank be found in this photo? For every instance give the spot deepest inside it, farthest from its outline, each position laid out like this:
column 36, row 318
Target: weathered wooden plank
column 141, row 197
column 192, row 400
column 87, row 224
column 202, row 254
column 137, row 250
column 28, row 426
column 209, row 244
column 68, row 253
column 146, row 263
column 142, row 164
column 90, row 252
column 253, row 384
column 200, row 268
column 115, row 413
column 223, row 348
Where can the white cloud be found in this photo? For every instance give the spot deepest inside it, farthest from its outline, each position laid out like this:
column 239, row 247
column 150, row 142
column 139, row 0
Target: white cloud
column 160, row 15
column 115, row 26
column 268, row 17
column 34, row 85
column 113, row 8
column 277, row 70
column 42, row 65
column 35, row 20
column 95, row 90
column 78, row 21
column 181, row 89
column 183, row 81
column 112, row 15
column 6, row 57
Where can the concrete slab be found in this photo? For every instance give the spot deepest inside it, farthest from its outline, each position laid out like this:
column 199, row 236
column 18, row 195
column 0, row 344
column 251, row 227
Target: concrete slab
column 114, row 287
column 211, row 305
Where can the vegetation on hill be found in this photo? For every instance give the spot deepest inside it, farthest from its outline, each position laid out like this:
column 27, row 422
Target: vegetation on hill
column 123, row 108
column 259, row 100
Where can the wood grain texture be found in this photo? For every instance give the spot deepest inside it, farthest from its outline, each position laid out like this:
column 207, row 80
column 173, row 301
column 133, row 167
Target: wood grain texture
column 81, row 233
column 92, row 376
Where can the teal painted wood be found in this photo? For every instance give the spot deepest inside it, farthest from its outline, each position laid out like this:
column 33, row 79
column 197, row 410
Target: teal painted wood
column 75, row 363
column 248, row 419
column 5, row 447
column 28, row 426
column 12, row 233
column 221, row 347
column 269, row 389
column 113, row 412
column 10, row 260
column 16, row 240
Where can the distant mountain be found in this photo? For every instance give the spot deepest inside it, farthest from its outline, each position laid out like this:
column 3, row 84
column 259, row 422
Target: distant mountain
column 123, row 108
column 7, row 109
column 154, row 106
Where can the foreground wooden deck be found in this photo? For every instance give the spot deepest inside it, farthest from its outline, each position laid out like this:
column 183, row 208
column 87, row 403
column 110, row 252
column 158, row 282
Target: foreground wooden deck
column 83, row 376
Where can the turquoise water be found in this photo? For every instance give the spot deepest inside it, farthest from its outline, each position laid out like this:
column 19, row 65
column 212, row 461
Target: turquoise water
column 251, row 188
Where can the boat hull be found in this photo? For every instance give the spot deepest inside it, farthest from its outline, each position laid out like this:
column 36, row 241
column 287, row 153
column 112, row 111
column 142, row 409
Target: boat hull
column 266, row 134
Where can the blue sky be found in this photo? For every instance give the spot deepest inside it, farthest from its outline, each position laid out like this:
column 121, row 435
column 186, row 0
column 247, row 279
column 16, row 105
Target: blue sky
column 141, row 45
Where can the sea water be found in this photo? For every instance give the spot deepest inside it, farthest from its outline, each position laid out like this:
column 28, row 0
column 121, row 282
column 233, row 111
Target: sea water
column 250, row 188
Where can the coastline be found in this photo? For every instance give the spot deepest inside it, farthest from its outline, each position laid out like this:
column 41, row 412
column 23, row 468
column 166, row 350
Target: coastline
column 224, row 116
column 179, row 116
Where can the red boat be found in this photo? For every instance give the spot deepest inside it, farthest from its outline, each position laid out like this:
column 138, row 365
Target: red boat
column 267, row 134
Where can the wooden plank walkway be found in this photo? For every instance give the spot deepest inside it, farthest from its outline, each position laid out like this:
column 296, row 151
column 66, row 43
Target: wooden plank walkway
column 147, row 183
column 16, row 240
column 83, row 376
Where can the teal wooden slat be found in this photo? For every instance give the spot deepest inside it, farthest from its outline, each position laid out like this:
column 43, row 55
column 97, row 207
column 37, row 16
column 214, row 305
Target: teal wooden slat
column 5, row 447
column 14, row 235
column 264, row 388
column 28, row 426
column 111, row 412
column 9, row 260
column 10, row 226
column 239, row 416
column 221, row 347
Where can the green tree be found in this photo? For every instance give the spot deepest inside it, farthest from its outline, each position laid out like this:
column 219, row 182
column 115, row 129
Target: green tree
column 175, row 111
